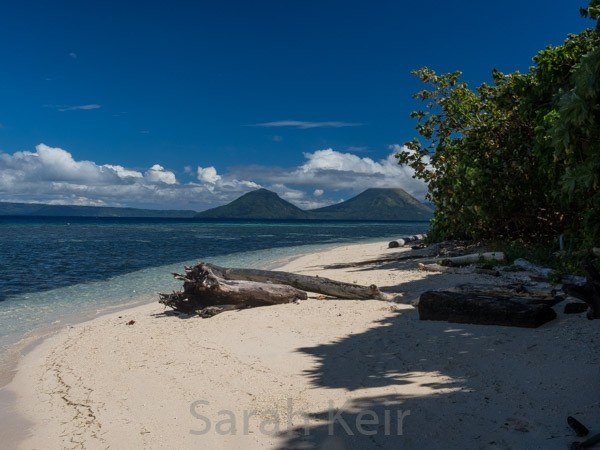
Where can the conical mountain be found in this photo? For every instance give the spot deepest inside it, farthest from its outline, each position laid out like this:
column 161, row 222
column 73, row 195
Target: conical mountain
column 259, row 204
column 377, row 204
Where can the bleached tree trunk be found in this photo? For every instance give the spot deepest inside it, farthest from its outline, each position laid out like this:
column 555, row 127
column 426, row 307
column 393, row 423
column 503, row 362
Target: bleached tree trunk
column 319, row 285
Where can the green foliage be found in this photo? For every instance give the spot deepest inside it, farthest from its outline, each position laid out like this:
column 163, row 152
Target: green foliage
column 518, row 158
column 575, row 135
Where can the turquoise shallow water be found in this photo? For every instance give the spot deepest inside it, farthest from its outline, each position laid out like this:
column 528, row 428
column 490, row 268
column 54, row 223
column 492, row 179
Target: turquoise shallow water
column 55, row 270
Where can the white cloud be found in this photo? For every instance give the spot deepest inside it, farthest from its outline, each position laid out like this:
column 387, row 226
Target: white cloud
column 223, row 185
column 48, row 163
column 298, row 197
column 158, row 174
column 208, row 175
column 53, row 175
column 303, row 125
column 124, row 173
column 73, row 55
column 81, row 201
column 89, row 107
column 344, row 162
column 334, row 172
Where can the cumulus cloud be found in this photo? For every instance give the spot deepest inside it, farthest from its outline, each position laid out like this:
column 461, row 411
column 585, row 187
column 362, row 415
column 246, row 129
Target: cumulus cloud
column 336, row 170
column 158, row 174
column 208, row 175
column 52, row 164
column 54, row 175
column 331, row 171
column 329, row 159
column 303, row 125
column 124, row 173
column 225, row 187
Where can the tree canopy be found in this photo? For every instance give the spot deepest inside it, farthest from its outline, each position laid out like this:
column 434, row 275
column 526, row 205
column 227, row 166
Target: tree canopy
column 517, row 158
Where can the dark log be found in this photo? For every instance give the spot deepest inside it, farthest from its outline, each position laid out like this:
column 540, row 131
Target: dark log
column 484, row 309
column 206, row 293
column 580, row 429
column 318, row 285
column 528, row 293
column 575, row 308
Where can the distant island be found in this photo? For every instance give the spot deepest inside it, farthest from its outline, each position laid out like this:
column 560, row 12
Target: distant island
column 44, row 210
column 372, row 204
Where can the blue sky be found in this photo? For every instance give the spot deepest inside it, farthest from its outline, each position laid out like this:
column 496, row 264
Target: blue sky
column 189, row 104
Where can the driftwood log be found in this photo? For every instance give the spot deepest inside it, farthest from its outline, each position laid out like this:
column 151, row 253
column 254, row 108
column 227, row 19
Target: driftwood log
column 483, row 308
column 405, row 240
column 471, row 258
column 209, row 290
column 458, row 270
column 533, row 268
column 318, row 285
column 205, row 293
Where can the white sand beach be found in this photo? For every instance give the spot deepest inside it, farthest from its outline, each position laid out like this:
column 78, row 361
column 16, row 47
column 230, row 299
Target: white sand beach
column 322, row 374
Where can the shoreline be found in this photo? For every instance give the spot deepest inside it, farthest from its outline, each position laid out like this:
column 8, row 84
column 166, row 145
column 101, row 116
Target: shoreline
column 293, row 365
column 14, row 352
column 16, row 349
column 13, row 425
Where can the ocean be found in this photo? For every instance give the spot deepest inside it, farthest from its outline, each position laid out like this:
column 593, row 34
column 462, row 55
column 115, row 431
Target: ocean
column 54, row 271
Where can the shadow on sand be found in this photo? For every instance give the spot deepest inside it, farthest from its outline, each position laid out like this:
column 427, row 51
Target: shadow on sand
column 417, row 375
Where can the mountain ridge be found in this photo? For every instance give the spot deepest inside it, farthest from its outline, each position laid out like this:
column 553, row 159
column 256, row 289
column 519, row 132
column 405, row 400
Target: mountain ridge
column 378, row 204
column 46, row 210
column 258, row 204
column 372, row 204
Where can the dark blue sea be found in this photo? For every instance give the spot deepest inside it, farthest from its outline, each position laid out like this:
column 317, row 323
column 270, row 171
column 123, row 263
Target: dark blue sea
column 53, row 270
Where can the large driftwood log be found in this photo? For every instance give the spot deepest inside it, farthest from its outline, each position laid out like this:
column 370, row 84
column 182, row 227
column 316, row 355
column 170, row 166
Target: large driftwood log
column 210, row 289
column 471, row 258
column 318, row 285
column 530, row 267
column 484, row 309
column 206, row 293
column 457, row 270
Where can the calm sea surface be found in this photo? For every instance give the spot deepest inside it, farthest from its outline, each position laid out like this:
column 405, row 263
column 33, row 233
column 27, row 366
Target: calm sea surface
column 53, row 270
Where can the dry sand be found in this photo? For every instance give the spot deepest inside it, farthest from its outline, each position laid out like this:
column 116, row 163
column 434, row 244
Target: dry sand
column 330, row 374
